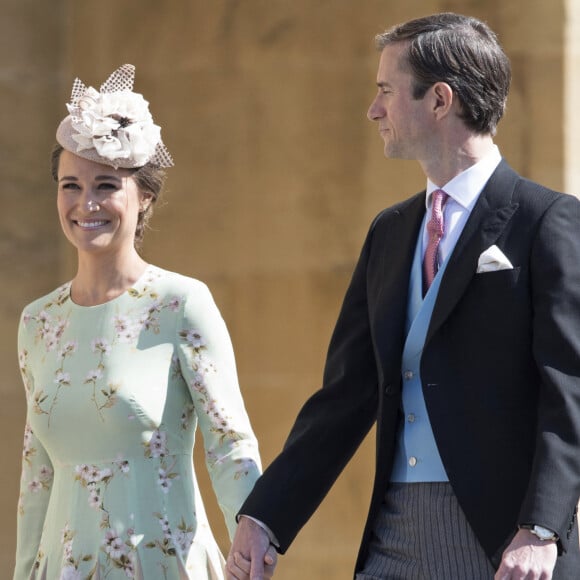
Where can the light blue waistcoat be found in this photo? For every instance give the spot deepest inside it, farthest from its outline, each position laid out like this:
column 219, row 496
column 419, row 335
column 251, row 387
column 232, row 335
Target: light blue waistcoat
column 417, row 457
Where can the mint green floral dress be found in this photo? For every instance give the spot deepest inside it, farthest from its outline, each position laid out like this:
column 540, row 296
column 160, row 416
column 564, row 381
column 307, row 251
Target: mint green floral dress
column 115, row 393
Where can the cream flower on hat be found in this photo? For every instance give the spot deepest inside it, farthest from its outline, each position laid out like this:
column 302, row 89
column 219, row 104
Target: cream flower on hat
column 113, row 126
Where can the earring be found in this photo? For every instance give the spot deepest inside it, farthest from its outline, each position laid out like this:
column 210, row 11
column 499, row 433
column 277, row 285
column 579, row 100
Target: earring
column 93, row 206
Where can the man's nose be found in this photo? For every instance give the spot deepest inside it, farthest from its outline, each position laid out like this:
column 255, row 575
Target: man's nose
column 375, row 112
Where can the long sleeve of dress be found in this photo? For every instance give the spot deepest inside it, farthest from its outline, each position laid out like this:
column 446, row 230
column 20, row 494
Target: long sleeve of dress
column 35, row 481
column 208, row 366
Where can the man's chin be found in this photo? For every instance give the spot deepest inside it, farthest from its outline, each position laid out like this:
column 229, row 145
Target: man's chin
column 394, row 153
column 391, row 153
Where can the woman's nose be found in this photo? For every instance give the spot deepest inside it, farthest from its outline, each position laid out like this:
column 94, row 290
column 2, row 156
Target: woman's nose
column 92, row 206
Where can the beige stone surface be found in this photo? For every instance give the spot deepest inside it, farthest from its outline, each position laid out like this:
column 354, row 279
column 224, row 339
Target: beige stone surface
column 278, row 175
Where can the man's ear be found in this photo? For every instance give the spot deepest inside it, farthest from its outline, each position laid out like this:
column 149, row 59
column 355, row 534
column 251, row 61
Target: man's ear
column 443, row 99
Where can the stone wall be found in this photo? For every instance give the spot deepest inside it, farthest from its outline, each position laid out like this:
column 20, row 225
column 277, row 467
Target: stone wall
column 278, row 175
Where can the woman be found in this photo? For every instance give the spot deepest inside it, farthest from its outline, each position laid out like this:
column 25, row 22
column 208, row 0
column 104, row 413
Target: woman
column 120, row 366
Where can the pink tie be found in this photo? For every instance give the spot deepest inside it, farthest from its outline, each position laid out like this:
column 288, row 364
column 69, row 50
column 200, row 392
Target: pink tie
column 435, row 231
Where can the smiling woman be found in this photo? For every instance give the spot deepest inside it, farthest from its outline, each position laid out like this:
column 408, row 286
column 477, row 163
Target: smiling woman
column 149, row 179
column 120, row 365
column 98, row 206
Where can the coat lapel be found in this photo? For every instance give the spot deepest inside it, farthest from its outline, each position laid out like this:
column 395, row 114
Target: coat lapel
column 486, row 223
column 393, row 246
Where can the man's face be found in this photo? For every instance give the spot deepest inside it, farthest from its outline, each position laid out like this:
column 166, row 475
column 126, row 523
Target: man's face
column 404, row 122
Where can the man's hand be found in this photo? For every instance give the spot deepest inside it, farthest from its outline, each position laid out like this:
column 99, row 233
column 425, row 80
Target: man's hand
column 527, row 558
column 251, row 556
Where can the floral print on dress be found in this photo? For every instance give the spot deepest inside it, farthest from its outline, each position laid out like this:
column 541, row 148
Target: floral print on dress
column 128, row 327
column 119, row 554
column 156, row 448
column 172, row 543
column 40, row 475
column 201, row 367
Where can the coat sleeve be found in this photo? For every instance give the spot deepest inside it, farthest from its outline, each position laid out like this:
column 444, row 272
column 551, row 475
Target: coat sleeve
column 330, row 425
column 208, row 366
column 554, row 486
column 36, row 477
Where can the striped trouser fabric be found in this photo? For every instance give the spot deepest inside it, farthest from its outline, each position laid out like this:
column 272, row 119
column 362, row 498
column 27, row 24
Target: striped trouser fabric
column 421, row 533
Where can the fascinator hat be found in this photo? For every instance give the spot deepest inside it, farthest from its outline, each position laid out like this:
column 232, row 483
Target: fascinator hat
column 112, row 126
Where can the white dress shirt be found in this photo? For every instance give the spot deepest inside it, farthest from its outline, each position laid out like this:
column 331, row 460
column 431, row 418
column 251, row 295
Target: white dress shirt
column 463, row 190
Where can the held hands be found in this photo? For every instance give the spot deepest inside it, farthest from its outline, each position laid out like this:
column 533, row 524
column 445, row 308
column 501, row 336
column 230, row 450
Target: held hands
column 251, row 556
column 527, row 558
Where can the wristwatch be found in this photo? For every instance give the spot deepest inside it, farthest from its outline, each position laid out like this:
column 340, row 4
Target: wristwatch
column 540, row 532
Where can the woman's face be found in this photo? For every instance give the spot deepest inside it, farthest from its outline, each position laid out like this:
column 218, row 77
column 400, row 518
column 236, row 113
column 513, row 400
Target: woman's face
column 98, row 205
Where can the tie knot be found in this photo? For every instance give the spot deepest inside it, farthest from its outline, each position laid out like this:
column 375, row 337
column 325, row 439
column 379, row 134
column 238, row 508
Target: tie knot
column 439, row 198
column 435, row 226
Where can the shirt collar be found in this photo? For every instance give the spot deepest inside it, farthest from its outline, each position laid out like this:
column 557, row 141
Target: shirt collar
column 466, row 187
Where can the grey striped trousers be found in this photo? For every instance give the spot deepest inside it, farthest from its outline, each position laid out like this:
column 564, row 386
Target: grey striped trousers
column 421, row 533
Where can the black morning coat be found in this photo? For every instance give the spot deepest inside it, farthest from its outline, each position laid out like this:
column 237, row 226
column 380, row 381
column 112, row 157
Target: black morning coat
column 500, row 372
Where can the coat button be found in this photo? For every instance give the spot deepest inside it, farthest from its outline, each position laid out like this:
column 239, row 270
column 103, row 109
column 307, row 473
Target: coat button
column 390, row 390
column 412, row 461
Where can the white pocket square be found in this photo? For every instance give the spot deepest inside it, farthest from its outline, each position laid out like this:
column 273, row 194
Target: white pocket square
column 493, row 260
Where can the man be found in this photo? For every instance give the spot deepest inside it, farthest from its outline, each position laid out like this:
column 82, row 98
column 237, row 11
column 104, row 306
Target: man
column 459, row 335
